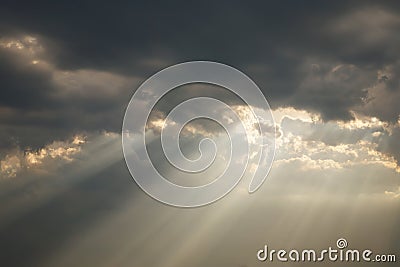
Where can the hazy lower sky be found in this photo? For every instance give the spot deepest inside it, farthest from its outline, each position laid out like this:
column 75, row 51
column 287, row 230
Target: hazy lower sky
column 330, row 71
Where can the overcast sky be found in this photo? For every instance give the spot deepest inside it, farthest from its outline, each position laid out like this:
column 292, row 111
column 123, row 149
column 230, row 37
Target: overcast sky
column 331, row 74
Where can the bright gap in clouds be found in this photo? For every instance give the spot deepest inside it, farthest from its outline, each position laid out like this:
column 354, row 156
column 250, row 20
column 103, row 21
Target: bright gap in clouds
column 302, row 138
column 322, row 169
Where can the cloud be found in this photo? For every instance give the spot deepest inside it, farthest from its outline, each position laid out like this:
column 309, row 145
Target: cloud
column 382, row 97
column 330, row 72
column 369, row 29
column 10, row 166
column 44, row 160
column 332, row 90
column 51, row 103
column 395, row 194
column 370, row 132
column 23, row 79
column 317, row 154
column 323, row 59
column 308, row 144
column 335, row 158
column 104, row 205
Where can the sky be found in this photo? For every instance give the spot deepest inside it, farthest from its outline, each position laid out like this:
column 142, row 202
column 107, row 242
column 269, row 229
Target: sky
column 330, row 72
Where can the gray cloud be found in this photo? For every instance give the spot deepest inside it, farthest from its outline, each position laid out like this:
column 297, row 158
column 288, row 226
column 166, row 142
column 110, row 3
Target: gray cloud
column 41, row 102
column 290, row 54
column 71, row 68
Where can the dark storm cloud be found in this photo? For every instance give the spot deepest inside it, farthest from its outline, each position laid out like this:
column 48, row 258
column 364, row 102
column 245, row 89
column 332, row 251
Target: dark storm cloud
column 40, row 102
column 22, row 85
column 289, row 48
column 332, row 90
column 101, row 35
column 79, row 75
